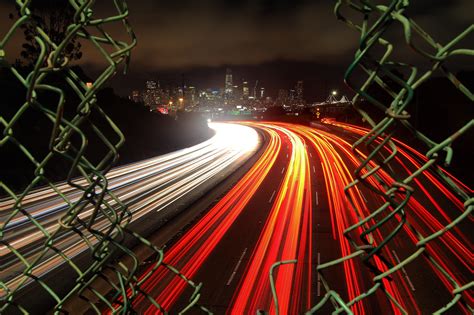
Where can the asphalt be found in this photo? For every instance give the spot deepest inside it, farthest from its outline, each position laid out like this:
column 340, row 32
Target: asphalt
column 191, row 183
column 223, row 270
column 190, row 209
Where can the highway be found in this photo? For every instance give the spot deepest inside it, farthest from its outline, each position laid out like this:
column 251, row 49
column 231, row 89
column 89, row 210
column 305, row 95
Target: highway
column 291, row 206
column 154, row 190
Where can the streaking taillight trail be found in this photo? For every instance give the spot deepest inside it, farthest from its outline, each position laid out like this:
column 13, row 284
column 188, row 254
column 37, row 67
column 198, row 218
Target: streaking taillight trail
column 287, row 232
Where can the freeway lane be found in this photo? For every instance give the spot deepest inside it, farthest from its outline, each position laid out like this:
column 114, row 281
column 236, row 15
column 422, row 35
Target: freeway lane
column 298, row 211
column 153, row 189
column 193, row 249
column 432, row 207
column 215, row 223
column 452, row 251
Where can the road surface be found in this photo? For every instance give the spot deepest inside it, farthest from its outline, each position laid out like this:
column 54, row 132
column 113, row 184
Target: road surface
column 291, row 206
column 154, row 190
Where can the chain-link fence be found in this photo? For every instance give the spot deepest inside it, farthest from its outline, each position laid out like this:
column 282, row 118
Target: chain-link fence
column 93, row 221
column 375, row 20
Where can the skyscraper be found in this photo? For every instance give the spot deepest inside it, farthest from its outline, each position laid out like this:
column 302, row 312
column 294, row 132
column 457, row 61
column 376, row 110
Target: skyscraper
column 136, row 97
column 190, row 98
column 299, row 93
column 236, row 92
column 151, row 85
column 282, row 98
column 262, row 92
column 245, row 90
column 151, row 96
column 228, row 83
column 255, row 90
column 292, row 97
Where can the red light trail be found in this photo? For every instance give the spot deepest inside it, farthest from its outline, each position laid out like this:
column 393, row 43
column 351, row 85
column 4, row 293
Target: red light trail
column 286, row 236
column 203, row 237
column 287, row 233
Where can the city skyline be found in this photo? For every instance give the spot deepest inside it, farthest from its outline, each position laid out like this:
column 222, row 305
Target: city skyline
column 234, row 97
column 256, row 157
column 276, row 40
column 316, row 89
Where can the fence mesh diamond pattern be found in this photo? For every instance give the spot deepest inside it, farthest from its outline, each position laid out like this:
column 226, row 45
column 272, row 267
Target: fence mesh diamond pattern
column 97, row 221
column 90, row 238
column 377, row 19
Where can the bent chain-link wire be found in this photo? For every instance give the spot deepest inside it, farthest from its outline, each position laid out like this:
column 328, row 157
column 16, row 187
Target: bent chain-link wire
column 97, row 220
column 376, row 20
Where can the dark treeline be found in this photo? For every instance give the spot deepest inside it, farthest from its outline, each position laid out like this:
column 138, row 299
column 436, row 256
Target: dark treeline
column 150, row 134
column 147, row 134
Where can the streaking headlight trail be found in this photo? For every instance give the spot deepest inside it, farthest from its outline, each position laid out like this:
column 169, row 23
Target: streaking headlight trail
column 147, row 187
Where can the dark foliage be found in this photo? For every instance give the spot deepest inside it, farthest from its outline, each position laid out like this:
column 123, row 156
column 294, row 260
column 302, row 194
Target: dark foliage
column 53, row 17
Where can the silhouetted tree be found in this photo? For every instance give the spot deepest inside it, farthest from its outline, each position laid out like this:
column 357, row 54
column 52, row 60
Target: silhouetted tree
column 53, row 17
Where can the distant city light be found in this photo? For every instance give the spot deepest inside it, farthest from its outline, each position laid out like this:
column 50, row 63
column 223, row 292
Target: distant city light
column 243, row 97
column 89, row 85
column 163, row 110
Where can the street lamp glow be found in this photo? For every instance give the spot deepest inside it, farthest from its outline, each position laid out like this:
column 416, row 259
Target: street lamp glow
column 334, row 92
column 181, row 99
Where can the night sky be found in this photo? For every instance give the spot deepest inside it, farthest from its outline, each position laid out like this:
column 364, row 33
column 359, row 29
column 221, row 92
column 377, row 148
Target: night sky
column 276, row 42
